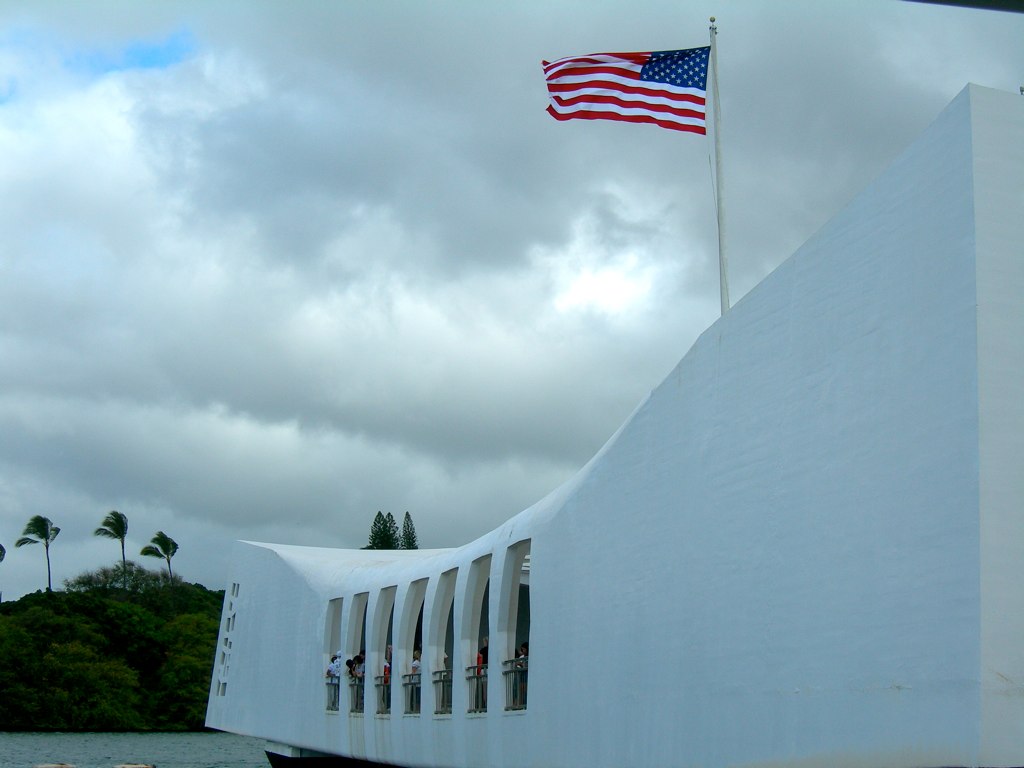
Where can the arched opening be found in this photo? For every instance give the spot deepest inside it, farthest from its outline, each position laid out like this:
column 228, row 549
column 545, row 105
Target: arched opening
column 332, row 650
column 514, row 618
column 475, row 633
column 357, row 647
column 411, row 643
column 383, row 626
column 449, row 637
column 442, row 639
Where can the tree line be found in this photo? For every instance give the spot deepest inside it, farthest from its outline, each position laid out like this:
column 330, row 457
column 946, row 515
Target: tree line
column 41, row 530
column 384, row 533
column 120, row 649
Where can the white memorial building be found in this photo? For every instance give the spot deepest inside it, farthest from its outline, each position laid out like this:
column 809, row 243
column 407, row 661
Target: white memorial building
column 804, row 548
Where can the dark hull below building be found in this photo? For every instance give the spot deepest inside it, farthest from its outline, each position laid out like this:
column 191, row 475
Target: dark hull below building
column 278, row 760
column 336, row 761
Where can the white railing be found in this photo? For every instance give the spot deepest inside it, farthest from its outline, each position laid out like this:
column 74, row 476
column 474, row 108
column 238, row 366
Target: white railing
column 383, row 685
column 476, row 678
column 443, row 692
column 515, row 674
column 355, row 692
column 333, row 694
column 411, row 688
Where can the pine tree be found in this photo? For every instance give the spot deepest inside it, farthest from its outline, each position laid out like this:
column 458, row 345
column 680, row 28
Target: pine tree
column 409, row 540
column 394, row 541
column 384, row 532
column 378, row 532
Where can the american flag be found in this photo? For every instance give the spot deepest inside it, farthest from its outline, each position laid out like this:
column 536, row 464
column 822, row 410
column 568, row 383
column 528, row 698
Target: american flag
column 665, row 88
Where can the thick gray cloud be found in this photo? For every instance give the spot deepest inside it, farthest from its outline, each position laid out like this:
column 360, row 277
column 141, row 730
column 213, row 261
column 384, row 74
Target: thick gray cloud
column 264, row 272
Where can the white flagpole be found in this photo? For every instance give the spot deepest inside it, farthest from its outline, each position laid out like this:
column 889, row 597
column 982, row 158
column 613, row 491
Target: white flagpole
column 713, row 69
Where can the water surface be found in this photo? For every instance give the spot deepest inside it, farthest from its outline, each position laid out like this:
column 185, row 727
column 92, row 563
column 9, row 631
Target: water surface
column 104, row 750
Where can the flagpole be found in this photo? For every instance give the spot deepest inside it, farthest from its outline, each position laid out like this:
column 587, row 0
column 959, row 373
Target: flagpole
column 722, row 278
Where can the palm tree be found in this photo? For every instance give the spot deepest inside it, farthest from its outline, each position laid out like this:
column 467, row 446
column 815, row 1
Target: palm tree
column 163, row 546
column 115, row 526
column 40, row 529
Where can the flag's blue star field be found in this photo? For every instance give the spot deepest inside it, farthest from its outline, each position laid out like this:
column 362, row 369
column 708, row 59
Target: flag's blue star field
column 686, row 69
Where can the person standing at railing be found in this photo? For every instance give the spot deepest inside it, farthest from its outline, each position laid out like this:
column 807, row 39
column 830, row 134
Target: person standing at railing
column 522, row 662
column 414, row 689
column 387, row 679
column 358, row 673
column 333, row 674
column 481, row 657
column 480, row 684
column 334, row 668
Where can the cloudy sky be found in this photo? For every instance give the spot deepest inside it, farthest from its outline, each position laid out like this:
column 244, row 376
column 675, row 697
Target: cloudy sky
column 267, row 268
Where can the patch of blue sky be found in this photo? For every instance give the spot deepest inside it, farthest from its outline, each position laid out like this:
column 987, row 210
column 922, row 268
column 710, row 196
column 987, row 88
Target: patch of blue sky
column 16, row 41
column 8, row 90
column 137, row 54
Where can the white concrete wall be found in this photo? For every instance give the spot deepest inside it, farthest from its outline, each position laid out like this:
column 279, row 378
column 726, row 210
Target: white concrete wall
column 803, row 548
column 810, row 473
column 999, row 202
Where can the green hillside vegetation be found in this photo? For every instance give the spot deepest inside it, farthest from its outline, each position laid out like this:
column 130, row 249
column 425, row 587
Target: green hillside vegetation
column 119, row 649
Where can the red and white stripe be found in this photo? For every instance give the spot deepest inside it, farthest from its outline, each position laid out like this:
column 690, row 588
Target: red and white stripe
column 607, row 86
